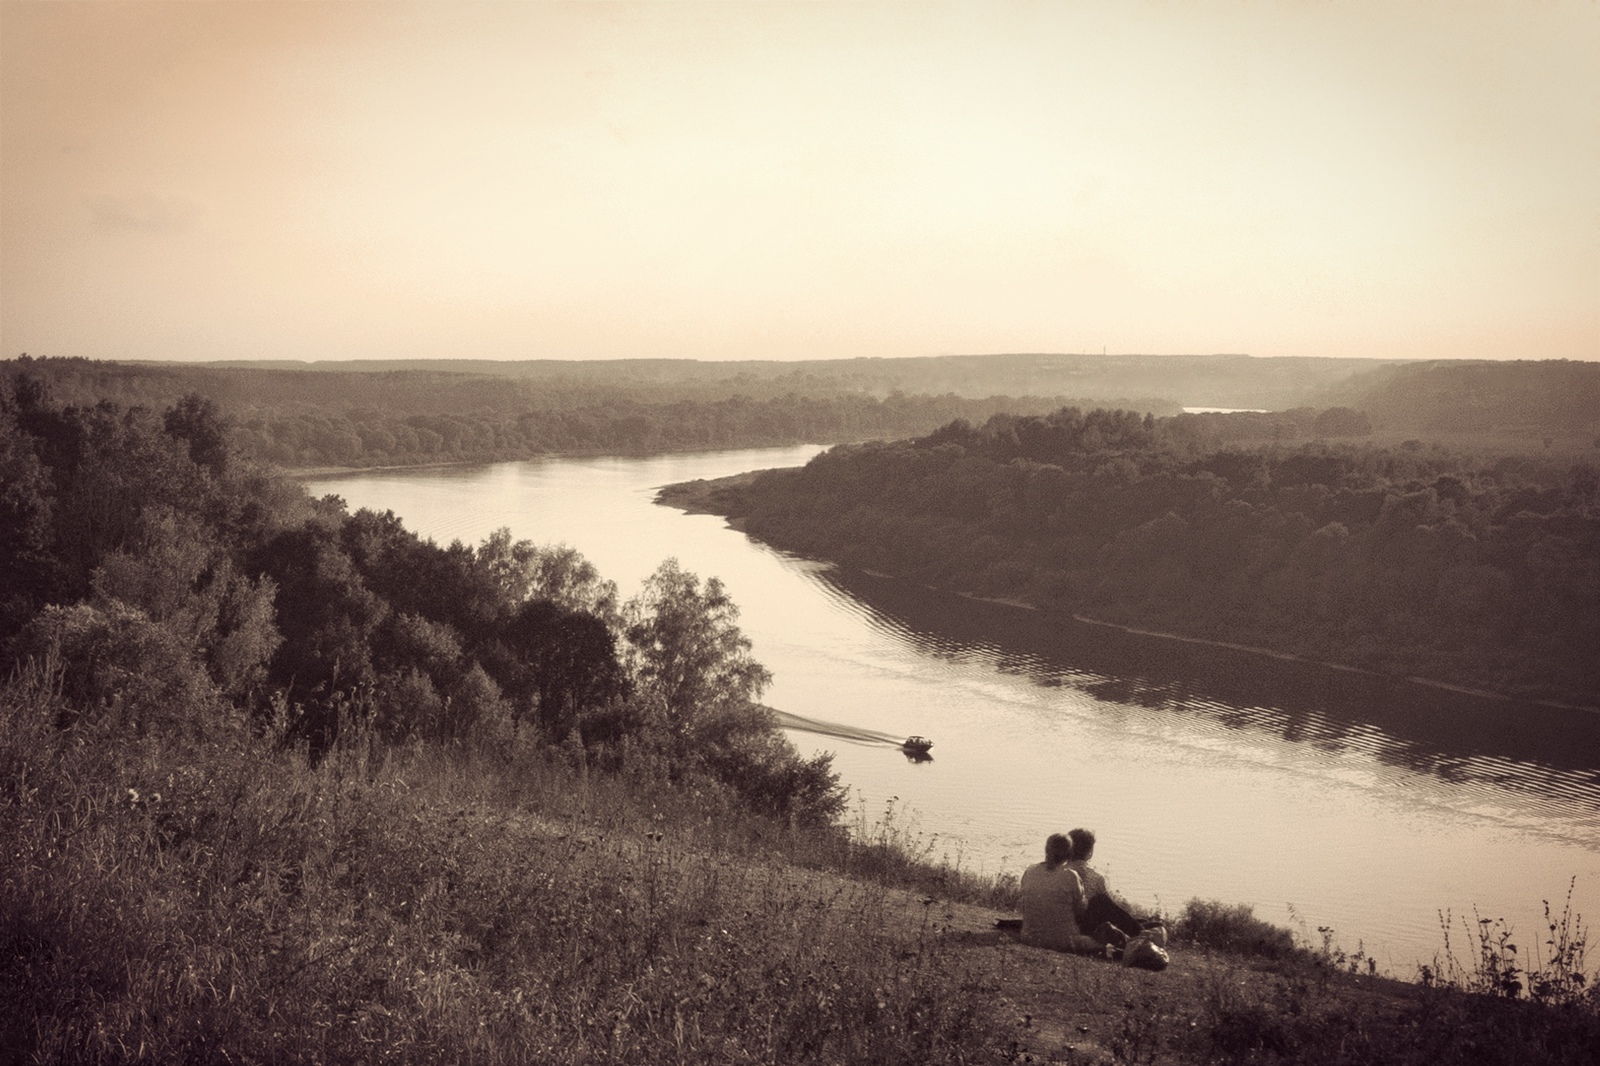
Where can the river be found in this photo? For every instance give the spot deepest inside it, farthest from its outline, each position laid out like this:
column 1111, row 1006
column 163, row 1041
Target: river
column 1320, row 797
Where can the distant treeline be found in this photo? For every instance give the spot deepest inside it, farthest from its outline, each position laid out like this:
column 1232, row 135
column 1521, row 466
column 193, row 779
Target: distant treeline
column 1135, row 381
column 302, row 418
column 1418, row 397
column 1413, row 560
column 375, row 436
column 1549, row 396
column 408, row 412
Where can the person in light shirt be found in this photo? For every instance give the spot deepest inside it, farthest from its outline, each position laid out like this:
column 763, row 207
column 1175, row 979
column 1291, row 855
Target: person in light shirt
column 1052, row 902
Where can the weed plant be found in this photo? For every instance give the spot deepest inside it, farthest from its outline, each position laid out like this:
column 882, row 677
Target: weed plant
column 1232, row 928
column 1553, row 976
column 1323, row 1005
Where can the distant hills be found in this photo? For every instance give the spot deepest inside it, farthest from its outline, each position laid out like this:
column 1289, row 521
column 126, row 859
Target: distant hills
column 407, row 411
column 1555, row 395
column 1140, row 381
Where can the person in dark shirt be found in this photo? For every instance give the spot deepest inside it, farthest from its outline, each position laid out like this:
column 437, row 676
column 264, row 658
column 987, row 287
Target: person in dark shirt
column 1100, row 909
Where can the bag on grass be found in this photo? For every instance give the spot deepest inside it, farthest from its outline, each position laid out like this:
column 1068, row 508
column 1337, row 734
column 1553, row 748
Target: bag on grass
column 1144, row 955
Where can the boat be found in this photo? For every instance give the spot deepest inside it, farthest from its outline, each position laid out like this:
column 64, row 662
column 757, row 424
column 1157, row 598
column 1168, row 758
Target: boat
column 916, row 745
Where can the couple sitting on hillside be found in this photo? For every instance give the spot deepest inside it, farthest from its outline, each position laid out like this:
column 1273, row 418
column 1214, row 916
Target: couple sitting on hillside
column 1063, row 896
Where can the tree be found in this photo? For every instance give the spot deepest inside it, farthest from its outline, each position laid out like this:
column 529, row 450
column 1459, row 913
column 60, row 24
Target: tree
column 200, row 424
column 691, row 658
column 327, row 616
column 555, row 572
column 689, row 649
column 117, row 663
column 179, row 575
column 27, row 567
column 566, row 664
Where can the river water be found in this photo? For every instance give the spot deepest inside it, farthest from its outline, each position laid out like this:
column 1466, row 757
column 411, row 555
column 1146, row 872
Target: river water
column 1323, row 798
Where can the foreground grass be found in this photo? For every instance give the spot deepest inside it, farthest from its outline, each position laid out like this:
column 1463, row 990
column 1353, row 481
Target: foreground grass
column 209, row 898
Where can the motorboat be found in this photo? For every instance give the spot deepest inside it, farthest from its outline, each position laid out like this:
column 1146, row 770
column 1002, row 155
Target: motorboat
column 916, row 745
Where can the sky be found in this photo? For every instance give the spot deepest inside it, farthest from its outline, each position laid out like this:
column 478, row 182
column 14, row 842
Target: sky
column 319, row 180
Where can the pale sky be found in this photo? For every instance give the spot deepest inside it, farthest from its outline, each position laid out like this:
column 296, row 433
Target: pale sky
column 778, row 181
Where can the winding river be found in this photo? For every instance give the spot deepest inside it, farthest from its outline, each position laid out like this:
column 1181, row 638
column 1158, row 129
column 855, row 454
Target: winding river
column 1322, row 798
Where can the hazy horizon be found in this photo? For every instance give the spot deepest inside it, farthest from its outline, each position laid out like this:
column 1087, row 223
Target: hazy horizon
column 318, row 181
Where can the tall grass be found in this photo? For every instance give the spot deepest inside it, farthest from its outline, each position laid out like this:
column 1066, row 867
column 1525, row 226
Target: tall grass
column 212, row 897
column 1318, row 1004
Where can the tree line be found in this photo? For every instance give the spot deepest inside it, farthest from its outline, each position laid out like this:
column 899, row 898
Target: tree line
column 1459, row 396
column 373, row 437
column 1481, row 570
column 170, row 582
column 310, row 418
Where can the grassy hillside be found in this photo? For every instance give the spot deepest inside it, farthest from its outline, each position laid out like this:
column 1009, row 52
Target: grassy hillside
column 204, row 893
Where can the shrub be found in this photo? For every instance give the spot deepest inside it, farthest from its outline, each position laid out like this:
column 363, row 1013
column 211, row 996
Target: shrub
column 114, row 661
column 1233, row 928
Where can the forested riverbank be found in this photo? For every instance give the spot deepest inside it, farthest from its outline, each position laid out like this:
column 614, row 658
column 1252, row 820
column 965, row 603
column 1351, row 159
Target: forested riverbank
column 1481, row 570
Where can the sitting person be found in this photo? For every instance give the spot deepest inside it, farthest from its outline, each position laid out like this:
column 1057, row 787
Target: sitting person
column 1052, row 902
column 1100, row 909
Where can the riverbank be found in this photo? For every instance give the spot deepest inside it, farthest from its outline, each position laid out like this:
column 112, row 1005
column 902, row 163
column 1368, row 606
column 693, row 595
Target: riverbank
column 305, row 473
column 1016, row 699
column 722, row 496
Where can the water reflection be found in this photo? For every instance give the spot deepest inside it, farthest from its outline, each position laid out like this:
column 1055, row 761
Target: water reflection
column 1550, row 756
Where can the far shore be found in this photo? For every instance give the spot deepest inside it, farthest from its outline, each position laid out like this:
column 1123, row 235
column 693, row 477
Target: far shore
column 704, row 496
column 303, row 472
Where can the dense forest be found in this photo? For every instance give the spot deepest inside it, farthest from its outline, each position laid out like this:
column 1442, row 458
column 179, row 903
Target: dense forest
column 301, row 418
column 1479, row 570
column 167, row 578
column 359, row 414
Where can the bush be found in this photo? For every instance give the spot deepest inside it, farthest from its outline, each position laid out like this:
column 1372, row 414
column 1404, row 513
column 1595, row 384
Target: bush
column 1233, row 928
column 114, row 661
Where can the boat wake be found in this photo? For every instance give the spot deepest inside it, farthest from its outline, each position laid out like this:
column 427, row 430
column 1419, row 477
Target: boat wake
column 835, row 729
